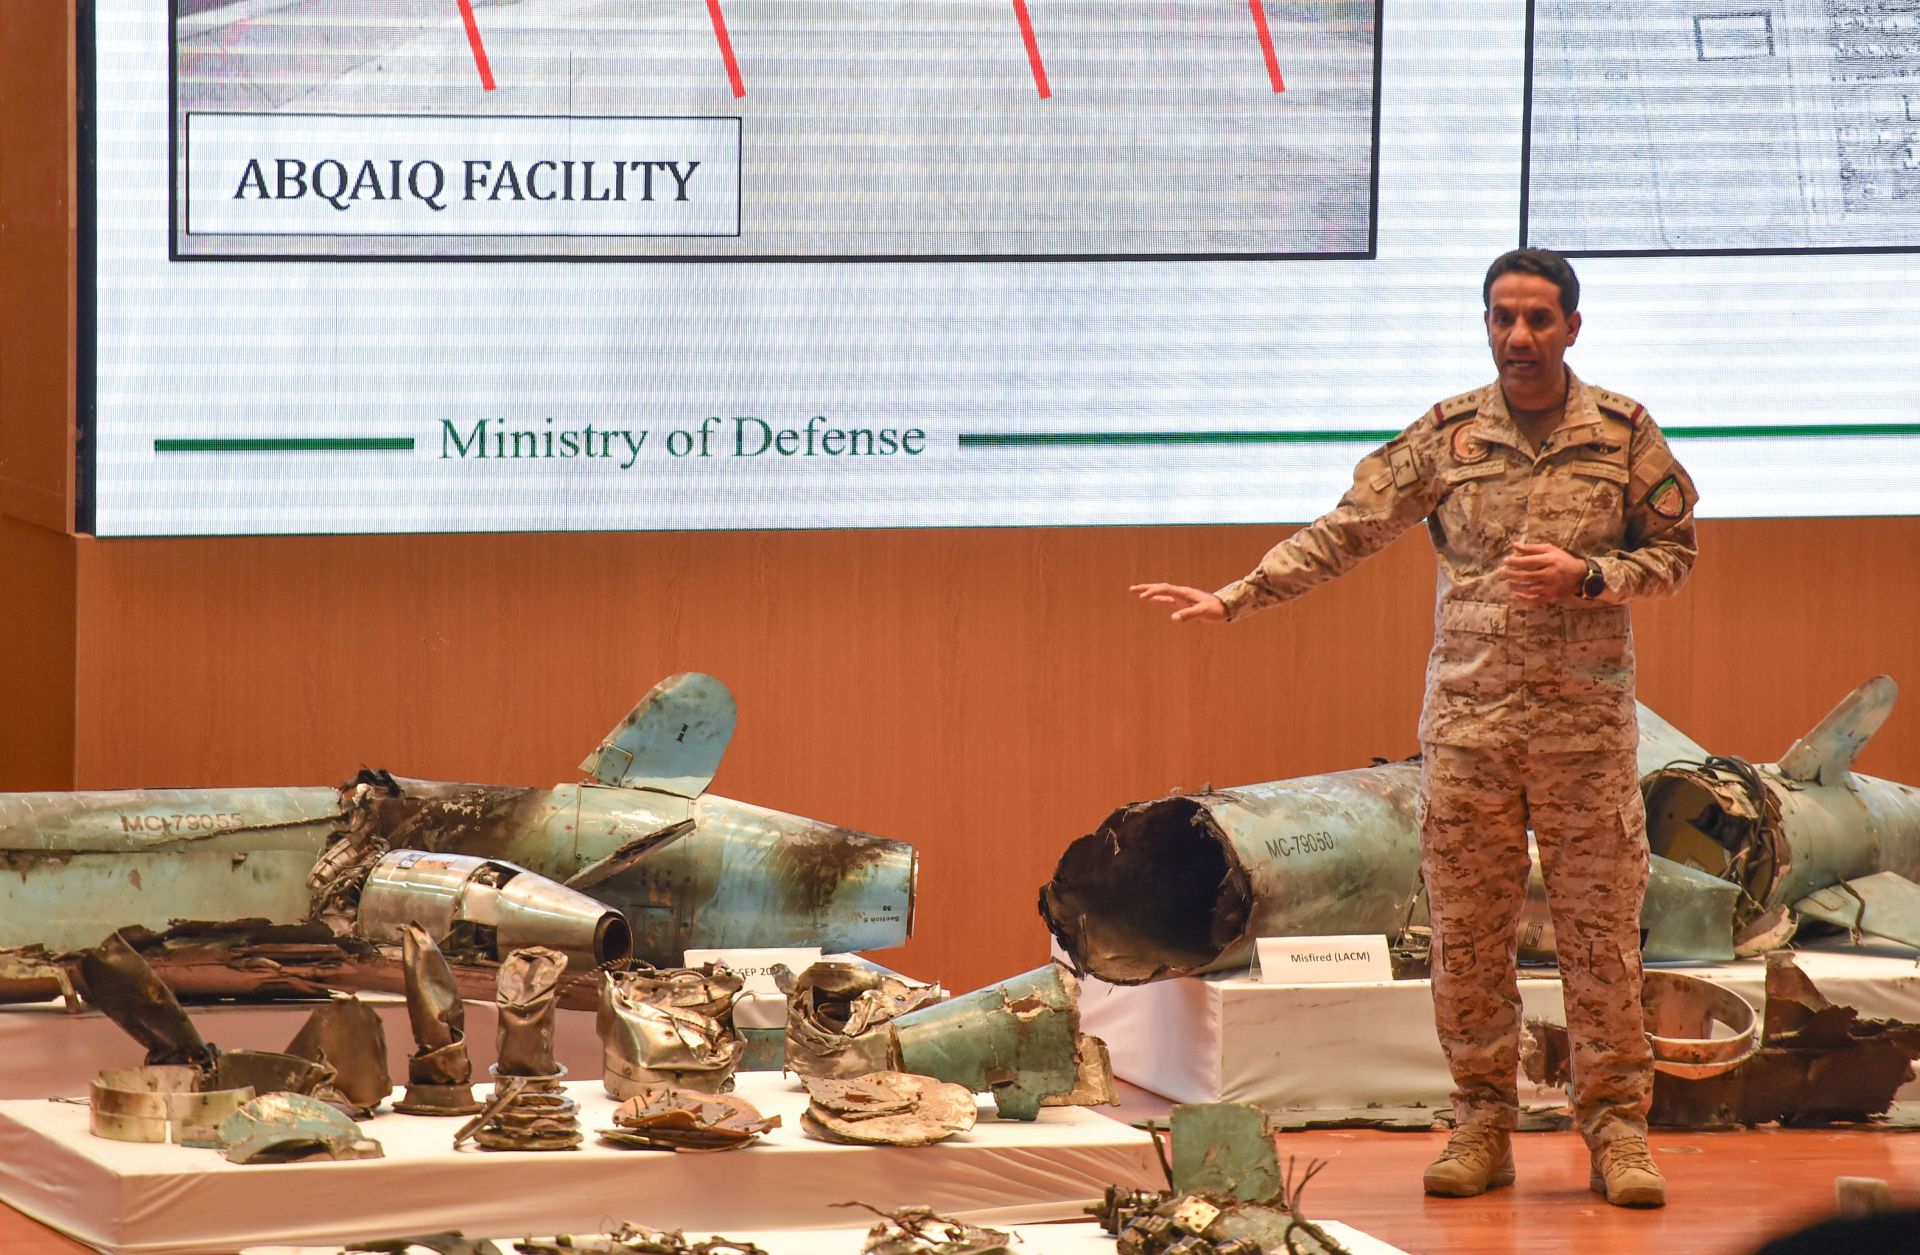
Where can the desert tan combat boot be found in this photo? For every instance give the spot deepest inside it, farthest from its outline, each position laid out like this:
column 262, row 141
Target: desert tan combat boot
column 1623, row 1170
column 1478, row 1158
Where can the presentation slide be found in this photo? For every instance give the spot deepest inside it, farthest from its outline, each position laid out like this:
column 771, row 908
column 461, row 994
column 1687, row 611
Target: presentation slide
column 367, row 266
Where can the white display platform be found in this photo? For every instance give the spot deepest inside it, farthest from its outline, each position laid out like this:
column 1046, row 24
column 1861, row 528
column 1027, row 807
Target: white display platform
column 128, row 1197
column 1339, row 1046
column 1053, row 1239
column 46, row 1050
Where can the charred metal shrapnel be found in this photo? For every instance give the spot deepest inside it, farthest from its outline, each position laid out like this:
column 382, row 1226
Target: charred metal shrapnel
column 1817, row 1063
column 660, row 1117
column 530, row 1109
column 886, row 1109
column 287, row 1128
column 835, row 1014
column 635, row 1240
column 345, row 1034
column 923, row 1231
column 519, row 1117
column 502, row 905
column 1226, row 1192
column 160, row 1103
column 440, row 1072
column 1020, row 1039
column 528, row 979
column 123, row 985
column 669, row 1027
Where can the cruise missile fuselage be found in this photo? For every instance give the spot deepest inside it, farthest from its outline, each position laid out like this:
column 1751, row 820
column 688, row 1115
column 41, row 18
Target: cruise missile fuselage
column 1740, row 854
column 640, row 834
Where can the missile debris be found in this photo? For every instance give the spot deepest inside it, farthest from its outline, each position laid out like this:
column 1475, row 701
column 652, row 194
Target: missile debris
column 886, row 1109
column 288, row 1128
column 1740, row 855
column 1020, row 1038
column 530, row 1109
column 1226, row 1194
column 669, row 1027
column 499, row 904
column 635, row 1240
column 345, row 1036
column 440, row 1073
column 921, row 1231
column 660, row 1117
column 167, row 1102
column 834, row 1010
column 641, row 835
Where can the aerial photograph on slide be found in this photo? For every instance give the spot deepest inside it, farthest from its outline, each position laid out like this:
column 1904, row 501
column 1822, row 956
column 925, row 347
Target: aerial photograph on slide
column 822, row 129
column 1704, row 126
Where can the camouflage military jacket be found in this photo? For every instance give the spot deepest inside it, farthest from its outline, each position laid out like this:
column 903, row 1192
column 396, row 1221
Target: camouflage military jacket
column 1603, row 486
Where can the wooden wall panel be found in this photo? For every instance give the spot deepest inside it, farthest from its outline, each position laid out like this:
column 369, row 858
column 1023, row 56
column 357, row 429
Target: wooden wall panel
column 987, row 696
column 36, row 264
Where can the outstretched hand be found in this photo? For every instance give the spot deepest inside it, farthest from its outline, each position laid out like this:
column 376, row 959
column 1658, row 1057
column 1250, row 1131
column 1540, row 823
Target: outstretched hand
column 1192, row 605
column 1543, row 574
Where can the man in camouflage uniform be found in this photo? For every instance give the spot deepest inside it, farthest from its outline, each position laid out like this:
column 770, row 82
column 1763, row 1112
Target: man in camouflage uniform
column 1550, row 503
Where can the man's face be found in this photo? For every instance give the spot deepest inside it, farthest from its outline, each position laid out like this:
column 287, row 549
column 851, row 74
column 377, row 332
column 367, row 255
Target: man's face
column 1529, row 337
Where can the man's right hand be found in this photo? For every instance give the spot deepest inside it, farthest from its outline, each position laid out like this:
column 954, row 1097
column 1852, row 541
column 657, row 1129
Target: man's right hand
column 1192, row 605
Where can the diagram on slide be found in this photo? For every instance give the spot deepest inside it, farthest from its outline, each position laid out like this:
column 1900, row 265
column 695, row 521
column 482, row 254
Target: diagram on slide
column 1706, row 125
column 826, row 130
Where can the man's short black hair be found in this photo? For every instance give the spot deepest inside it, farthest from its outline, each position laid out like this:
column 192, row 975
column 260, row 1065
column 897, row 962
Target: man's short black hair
column 1546, row 263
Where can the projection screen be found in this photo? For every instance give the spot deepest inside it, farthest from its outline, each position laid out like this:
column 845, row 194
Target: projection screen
column 555, row 265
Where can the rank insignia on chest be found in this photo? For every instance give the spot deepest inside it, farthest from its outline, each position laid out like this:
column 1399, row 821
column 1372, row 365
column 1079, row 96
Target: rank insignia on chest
column 1667, row 500
column 1467, row 447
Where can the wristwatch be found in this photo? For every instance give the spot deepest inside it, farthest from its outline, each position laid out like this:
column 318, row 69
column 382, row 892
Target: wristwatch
column 1595, row 582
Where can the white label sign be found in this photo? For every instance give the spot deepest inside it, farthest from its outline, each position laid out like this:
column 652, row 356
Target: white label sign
column 323, row 174
column 1317, row 960
column 755, row 966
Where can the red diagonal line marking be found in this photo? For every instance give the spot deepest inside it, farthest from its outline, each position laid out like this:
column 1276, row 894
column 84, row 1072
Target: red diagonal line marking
column 479, row 49
column 1033, row 49
column 726, row 48
column 1266, row 44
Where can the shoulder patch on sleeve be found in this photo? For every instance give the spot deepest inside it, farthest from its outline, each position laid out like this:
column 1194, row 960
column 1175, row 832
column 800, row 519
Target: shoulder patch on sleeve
column 1619, row 406
column 1458, row 407
column 1668, row 499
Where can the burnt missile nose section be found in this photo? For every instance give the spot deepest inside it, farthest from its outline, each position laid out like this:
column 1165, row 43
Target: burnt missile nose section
column 503, row 905
column 1156, row 891
column 1185, row 884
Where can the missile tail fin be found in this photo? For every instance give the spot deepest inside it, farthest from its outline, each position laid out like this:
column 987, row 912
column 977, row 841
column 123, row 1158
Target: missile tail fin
column 671, row 742
column 1825, row 755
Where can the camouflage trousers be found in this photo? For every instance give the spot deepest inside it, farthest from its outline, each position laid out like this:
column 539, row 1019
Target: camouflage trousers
column 1590, row 827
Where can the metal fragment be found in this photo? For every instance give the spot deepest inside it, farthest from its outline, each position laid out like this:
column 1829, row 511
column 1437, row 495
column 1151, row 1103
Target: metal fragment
column 669, row 1027
column 922, row 1231
column 440, row 1072
column 635, row 1240
column 285, row 1128
column 1020, row 1039
column 127, row 991
column 663, row 1118
column 160, row 1103
column 837, row 1013
column 346, row 1035
column 886, row 1109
